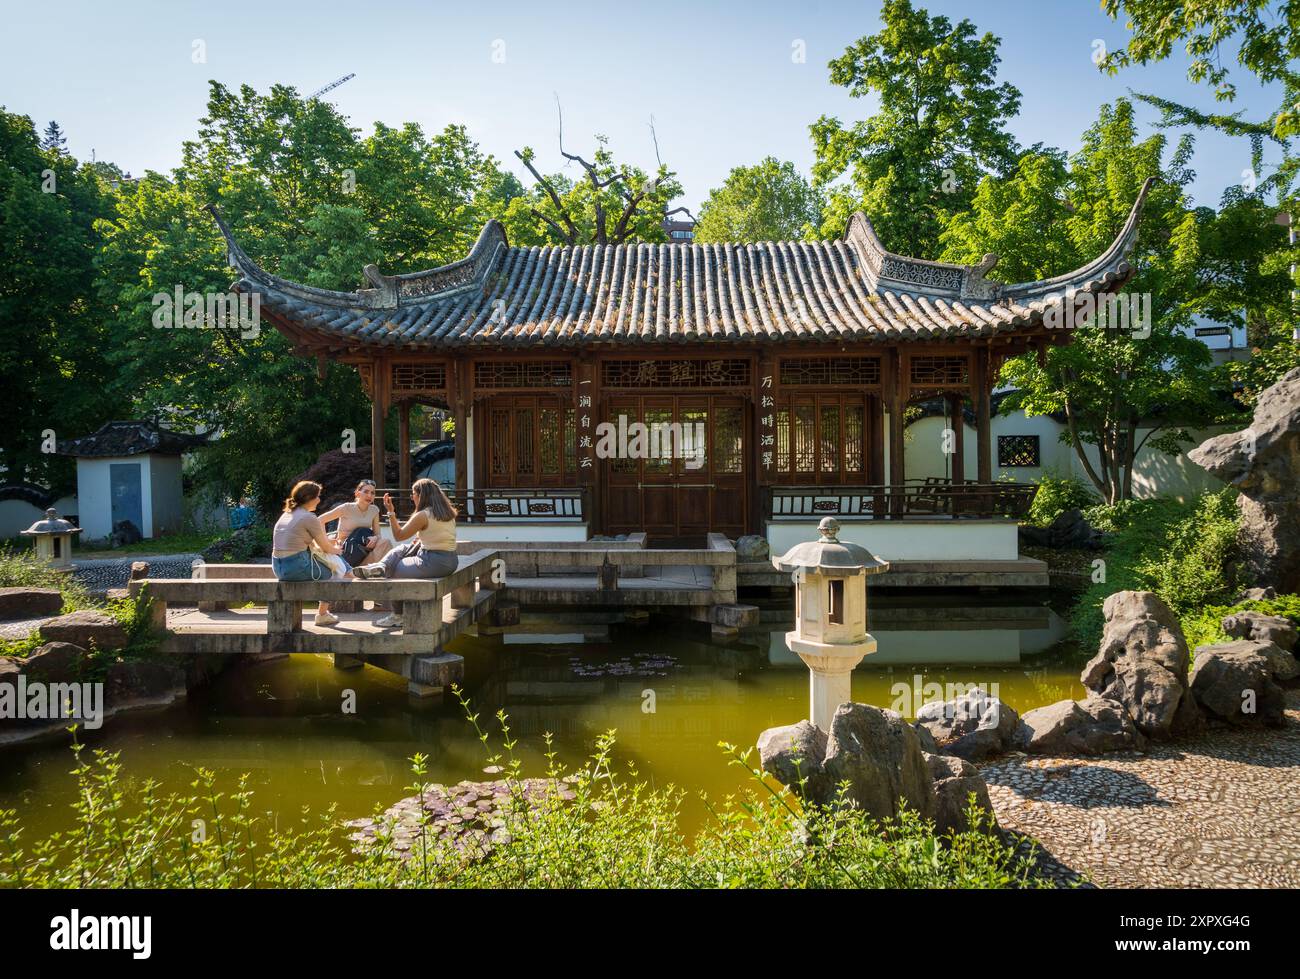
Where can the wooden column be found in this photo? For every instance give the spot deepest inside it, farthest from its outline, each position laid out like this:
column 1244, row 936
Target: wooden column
column 896, row 387
column 955, row 405
column 404, row 445
column 378, row 412
column 983, row 431
column 459, row 396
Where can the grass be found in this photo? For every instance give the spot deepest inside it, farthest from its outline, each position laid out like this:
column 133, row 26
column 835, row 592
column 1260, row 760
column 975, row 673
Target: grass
column 617, row 831
column 182, row 543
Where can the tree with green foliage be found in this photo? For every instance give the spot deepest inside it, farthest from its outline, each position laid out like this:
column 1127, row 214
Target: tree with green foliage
column 54, row 141
column 940, row 126
column 53, row 367
column 1049, row 218
column 771, row 201
column 310, row 200
column 1266, row 34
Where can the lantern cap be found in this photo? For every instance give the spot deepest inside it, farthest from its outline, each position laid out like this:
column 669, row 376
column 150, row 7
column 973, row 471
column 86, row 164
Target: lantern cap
column 829, row 556
column 52, row 524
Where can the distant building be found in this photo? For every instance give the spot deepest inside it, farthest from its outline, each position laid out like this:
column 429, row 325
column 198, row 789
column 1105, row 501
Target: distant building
column 130, row 472
column 679, row 232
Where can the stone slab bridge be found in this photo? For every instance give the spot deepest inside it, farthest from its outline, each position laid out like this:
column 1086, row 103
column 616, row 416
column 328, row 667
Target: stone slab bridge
column 242, row 609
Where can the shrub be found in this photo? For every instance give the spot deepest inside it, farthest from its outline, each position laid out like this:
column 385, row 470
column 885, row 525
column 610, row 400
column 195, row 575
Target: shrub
column 21, row 568
column 1183, row 551
column 1056, row 495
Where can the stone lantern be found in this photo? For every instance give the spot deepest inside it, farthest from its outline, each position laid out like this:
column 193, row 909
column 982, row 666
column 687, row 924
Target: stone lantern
column 830, row 602
column 53, row 537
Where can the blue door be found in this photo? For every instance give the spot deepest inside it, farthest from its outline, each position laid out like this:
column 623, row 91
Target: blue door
column 124, row 483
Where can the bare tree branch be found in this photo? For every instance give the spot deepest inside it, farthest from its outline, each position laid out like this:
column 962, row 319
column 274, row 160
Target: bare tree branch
column 571, row 234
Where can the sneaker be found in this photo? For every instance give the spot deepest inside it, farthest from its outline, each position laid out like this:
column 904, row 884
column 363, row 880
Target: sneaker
column 368, row 571
column 326, row 618
column 390, row 621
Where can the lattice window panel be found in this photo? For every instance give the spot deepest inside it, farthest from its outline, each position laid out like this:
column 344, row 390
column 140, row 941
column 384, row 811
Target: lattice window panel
column 727, row 373
column 830, row 371
column 939, row 372
column 415, row 378
column 502, row 374
column 1018, row 450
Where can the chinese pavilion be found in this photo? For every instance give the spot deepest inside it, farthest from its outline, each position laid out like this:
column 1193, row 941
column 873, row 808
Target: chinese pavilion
column 797, row 358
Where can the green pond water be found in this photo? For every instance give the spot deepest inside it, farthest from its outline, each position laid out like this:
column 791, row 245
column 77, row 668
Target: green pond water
column 283, row 724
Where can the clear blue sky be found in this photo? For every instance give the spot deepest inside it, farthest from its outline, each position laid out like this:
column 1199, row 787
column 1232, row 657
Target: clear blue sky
column 718, row 78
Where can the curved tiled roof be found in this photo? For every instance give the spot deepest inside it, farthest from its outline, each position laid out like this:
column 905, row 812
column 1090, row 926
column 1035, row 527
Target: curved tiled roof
column 503, row 296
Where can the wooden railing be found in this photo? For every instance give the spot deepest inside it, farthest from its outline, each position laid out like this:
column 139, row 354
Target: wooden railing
column 534, row 504
column 932, row 497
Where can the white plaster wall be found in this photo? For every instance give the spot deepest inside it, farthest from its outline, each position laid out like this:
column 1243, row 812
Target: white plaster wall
column 516, row 531
column 910, row 540
column 1158, row 474
column 924, row 448
column 17, row 515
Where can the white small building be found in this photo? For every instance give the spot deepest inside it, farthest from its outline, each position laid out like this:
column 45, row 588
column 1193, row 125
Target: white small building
column 130, row 472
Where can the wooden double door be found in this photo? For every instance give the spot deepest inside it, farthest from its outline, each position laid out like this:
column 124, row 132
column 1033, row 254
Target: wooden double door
column 691, row 473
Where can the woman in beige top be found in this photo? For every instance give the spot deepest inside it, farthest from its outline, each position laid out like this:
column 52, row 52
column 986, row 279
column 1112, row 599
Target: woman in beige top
column 296, row 538
column 361, row 514
column 432, row 552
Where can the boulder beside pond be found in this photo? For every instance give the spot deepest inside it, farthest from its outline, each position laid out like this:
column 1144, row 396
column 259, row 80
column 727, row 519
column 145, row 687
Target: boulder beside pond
column 1142, row 665
column 955, row 779
column 973, row 726
column 85, row 629
column 1234, row 683
column 1084, row 727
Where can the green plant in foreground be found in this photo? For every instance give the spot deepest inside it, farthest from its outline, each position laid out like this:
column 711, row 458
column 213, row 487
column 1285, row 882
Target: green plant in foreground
column 609, row 831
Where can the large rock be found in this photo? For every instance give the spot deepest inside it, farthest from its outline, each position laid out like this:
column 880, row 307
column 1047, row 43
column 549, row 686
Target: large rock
column 954, row 781
column 1263, row 461
column 974, row 726
column 1079, row 727
column 55, row 662
column 1234, row 682
column 878, row 754
column 1069, row 529
column 85, row 629
column 1142, row 664
column 29, row 603
column 752, row 547
column 1258, row 626
column 794, row 753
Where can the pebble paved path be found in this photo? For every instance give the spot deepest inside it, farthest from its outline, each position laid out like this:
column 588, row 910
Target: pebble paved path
column 1219, row 810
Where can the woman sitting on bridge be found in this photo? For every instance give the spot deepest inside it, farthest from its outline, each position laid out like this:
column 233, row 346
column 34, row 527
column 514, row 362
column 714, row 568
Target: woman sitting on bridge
column 295, row 533
column 432, row 552
column 358, row 530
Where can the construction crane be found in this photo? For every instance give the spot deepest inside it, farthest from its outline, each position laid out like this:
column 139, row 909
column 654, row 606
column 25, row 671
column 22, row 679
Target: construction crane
column 331, row 86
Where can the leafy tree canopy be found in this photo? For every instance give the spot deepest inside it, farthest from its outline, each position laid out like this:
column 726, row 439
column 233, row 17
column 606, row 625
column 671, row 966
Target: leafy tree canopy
column 940, row 126
column 771, row 201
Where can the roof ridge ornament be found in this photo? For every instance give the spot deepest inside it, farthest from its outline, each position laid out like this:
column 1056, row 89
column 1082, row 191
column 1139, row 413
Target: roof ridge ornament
column 884, row 269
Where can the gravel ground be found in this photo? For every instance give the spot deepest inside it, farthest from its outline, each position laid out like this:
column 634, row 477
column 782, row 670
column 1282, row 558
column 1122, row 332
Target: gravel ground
column 1218, row 810
column 103, row 573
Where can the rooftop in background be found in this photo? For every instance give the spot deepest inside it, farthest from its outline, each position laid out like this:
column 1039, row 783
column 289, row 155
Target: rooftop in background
column 129, row 439
column 852, row 289
column 679, row 231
